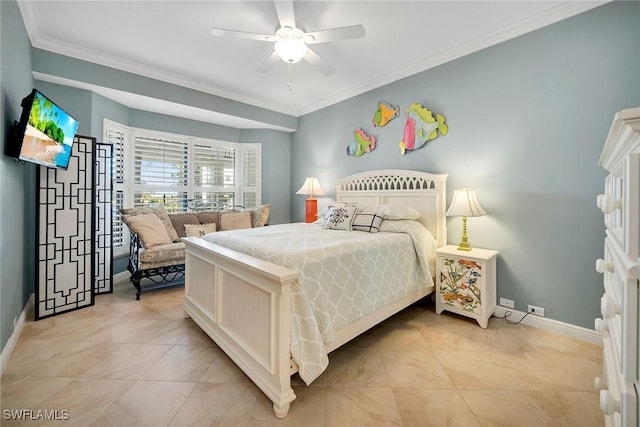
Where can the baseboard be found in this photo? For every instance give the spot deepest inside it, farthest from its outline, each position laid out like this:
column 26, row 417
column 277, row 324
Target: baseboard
column 13, row 339
column 567, row 329
column 123, row 276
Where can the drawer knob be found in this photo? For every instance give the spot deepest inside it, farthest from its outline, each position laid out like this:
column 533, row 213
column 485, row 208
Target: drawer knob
column 607, row 203
column 608, row 403
column 600, row 326
column 602, row 266
column 600, row 384
column 608, row 307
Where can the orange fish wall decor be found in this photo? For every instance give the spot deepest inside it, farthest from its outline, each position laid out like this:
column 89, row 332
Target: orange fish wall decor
column 385, row 113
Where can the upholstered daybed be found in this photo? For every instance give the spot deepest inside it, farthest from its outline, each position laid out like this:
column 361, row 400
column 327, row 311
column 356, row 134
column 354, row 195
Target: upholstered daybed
column 156, row 251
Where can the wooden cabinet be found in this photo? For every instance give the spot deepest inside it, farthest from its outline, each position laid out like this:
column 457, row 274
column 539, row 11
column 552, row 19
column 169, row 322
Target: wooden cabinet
column 466, row 282
column 620, row 267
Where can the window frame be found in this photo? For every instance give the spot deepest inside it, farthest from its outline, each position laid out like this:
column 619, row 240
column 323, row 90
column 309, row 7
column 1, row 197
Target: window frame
column 129, row 187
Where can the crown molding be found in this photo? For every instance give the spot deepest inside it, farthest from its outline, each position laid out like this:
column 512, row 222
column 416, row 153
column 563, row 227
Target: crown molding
column 551, row 16
column 30, row 18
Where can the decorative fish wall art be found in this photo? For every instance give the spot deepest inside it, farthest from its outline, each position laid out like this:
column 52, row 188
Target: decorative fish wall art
column 421, row 127
column 362, row 143
column 385, row 113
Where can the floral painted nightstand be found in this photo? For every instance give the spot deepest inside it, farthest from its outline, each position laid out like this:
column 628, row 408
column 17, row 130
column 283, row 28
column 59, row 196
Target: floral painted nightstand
column 466, row 282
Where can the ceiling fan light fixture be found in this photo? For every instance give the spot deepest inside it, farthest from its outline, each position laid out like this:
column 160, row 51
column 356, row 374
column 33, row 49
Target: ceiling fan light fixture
column 290, row 46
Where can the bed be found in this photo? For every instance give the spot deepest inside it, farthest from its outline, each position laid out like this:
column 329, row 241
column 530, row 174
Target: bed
column 248, row 299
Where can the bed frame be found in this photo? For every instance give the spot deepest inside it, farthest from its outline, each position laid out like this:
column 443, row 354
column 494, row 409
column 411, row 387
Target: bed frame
column 243, row 303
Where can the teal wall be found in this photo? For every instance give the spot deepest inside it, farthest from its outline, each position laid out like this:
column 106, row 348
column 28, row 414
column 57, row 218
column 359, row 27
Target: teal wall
column 17, row 182
column 276, row 171
column 91, row 109
column 527, row 122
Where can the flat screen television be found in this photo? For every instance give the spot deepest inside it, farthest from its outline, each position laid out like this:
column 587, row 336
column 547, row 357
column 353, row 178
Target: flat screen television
column 45, row 132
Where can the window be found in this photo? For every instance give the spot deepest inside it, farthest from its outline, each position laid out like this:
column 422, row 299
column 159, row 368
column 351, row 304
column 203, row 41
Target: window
column 159, row 168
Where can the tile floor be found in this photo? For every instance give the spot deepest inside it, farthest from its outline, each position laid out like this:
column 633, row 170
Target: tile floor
column 127, row 363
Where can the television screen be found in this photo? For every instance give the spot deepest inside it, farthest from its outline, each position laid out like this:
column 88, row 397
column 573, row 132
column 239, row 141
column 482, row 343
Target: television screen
column 45, row 133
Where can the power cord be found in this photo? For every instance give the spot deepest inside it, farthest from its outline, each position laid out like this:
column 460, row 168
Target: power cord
column 508, row 314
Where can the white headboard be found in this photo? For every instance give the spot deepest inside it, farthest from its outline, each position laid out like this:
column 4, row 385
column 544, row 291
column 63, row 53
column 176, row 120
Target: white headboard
column 423, row 191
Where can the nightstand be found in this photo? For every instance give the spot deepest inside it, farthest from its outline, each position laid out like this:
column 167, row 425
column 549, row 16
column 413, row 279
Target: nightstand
column 466, row 282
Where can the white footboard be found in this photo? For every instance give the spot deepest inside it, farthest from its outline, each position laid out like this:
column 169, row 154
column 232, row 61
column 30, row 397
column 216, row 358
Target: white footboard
column 243, row 304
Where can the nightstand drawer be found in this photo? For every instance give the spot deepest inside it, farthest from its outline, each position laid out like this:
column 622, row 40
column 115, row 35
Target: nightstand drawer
column 466, row 282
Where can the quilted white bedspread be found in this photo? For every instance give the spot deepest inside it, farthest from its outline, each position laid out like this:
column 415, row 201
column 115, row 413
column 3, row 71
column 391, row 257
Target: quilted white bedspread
column 342, row 275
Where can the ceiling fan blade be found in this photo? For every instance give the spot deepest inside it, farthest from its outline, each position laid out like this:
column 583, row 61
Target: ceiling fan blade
column 269, row 63
column 312, row 58
column 335, row 34
column 284, row 9
column 242, row 35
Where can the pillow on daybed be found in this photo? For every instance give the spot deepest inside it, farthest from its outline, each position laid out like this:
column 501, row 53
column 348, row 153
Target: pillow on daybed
column 235, row 221
column 340, row 218
column 367, row 222
column 179, row 220
column 159, row 211
column 199, row 230
column 393, row 212
column 260, row 215
column 149, row 229
column 207, row 217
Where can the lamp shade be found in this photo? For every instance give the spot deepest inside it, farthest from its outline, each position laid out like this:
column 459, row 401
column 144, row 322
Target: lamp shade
column 311, row 186
column 291, row 46
column 465, row 203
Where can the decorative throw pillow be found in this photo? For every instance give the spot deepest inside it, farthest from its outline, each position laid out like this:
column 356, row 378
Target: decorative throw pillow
column 393, row 212
column 235, row 221
column 149, row 229
column 207, row 217
column 341, row 218
column 179, row 220
column 367, row 222
column 260, row 215
column 158, row 210
column 199, row 230
column 323, row 215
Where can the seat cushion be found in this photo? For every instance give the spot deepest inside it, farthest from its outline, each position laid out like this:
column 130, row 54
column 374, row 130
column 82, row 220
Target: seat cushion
column 163, row 253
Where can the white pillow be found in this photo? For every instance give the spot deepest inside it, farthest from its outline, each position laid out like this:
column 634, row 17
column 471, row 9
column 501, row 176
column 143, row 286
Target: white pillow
column 199, row 230
column 393, row 212
column 340, row 218
column 367, row 222
column 323, row 215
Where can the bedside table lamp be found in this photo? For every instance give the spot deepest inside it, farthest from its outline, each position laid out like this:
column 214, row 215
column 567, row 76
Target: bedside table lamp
column 311, row 186
column 465, row 204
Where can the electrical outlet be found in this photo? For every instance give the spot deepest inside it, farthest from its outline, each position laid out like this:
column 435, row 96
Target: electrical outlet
column 538, row 311
column 507, row 303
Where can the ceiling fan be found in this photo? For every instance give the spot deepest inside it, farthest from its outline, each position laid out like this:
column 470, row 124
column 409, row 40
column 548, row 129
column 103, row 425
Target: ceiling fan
column 291, row 42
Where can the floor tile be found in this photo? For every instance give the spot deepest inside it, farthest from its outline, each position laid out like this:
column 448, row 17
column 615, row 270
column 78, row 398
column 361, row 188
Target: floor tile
column 124, row 362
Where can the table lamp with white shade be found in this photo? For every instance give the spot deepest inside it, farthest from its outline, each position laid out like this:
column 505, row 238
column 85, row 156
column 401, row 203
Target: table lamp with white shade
column 311, row 186
column 465, row 204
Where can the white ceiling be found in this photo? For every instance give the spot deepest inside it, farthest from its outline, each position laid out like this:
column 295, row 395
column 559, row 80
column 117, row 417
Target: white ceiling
column 170, row 41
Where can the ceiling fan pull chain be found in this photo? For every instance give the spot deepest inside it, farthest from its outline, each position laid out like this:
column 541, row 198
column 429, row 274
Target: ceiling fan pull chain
column 290, row 82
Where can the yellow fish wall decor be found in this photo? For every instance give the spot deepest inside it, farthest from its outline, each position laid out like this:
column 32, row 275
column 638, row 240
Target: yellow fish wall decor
column 385, row 113
column 362, row 143
column 421, row 127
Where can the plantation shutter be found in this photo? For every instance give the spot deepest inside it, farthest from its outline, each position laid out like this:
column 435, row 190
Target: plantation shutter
column 251, row 171
column 116, row 136
column 214, row 175
column 159, row 170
